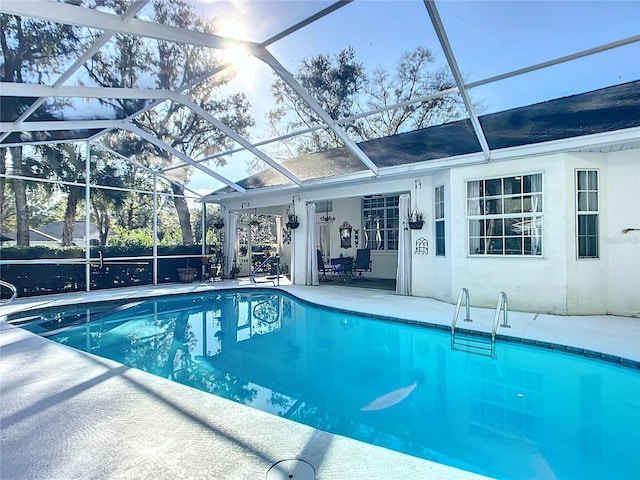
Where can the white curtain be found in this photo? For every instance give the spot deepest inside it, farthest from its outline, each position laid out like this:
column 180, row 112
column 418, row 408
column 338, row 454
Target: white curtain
column 473, row 208
column 279, row 239
column 231, row 225
column 311, row 274
column 324, row 231
column 536, row 221
column 403, row 275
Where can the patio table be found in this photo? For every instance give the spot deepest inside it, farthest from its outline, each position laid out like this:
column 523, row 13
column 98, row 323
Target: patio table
column 343, row 266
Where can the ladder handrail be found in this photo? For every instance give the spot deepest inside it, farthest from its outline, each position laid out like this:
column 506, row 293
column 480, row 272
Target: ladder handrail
column 264, row 262
column 464, row 293
column 503, row 304
column 14, row 292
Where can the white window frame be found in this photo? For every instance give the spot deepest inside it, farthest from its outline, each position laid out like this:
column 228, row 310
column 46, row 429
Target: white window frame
column 588, row 196
column 479, row 203
column 439, row 218
column 382, row 230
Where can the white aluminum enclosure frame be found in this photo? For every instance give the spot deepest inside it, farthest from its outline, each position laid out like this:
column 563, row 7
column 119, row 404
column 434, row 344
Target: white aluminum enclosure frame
column 111, row 24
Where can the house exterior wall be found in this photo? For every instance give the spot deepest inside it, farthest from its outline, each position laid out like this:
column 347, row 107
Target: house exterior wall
column 519, row 277
column 440, row 266
column 623, row 250
column 586, row 278
column 556, row 282
column 611, row 283
column 422, row 271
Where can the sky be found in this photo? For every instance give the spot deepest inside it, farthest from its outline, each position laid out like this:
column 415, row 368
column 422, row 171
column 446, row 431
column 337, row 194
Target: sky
column 487, row 38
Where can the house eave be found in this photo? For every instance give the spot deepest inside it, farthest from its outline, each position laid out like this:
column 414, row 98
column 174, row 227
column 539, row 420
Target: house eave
column 619, row 139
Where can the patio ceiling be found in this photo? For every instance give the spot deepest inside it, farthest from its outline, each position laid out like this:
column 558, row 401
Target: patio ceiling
column 548, row 60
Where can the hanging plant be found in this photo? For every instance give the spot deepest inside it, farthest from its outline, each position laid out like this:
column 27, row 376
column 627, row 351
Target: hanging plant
column 292, row 221
column 218, row 223
column 416, row 219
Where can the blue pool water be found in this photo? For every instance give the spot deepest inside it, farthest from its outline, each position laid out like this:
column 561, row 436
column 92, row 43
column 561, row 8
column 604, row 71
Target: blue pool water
column 527, row 414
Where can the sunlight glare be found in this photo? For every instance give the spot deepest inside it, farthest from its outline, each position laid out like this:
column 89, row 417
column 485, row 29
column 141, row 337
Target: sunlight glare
column 235, row 53
column 244, row 65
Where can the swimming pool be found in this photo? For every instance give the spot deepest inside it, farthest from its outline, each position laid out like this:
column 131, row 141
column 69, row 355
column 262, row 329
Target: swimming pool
column 529, row 413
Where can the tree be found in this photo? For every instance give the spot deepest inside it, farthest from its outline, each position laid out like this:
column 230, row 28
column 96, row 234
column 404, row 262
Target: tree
column 132, row 61
column 342, row 87
column 334, row 82
column 20, row 192
column 66, row 163
column 63, row 162
column 414, row 77
column 104, row 202
column 29, row 48
column 45, row 206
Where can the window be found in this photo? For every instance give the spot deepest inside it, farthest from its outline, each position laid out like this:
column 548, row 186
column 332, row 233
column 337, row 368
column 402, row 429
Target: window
column 505, row 215
column 439, row 207
column 381, row 220
column 587, row 213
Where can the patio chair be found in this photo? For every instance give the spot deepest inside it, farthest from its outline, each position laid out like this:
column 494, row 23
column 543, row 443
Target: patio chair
column 322, row 268
column 362, row 262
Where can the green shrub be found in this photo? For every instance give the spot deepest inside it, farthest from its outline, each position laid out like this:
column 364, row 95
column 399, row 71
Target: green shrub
column 52, row 277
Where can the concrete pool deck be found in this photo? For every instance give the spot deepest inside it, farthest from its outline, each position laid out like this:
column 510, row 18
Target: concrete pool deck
column 69, row 414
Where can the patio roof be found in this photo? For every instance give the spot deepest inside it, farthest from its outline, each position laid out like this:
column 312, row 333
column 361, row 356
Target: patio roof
column 505, row 87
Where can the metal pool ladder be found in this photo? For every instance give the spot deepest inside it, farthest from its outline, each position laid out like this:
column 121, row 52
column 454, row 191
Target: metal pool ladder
column 475, row 341
column 464, row 294
column 14, row 292
column 269, row 259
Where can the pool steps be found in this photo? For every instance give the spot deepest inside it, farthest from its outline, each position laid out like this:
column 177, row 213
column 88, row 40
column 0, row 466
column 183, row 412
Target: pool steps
column 474, row 341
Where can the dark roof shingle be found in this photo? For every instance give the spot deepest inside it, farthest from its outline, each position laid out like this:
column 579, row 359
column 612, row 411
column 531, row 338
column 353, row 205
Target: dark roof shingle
column 604, row 110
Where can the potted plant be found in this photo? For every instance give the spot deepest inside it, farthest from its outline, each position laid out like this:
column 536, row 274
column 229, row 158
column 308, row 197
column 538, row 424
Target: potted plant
column 233, row 272
column 187, row 274
column 416, row 220
column 292, row 221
